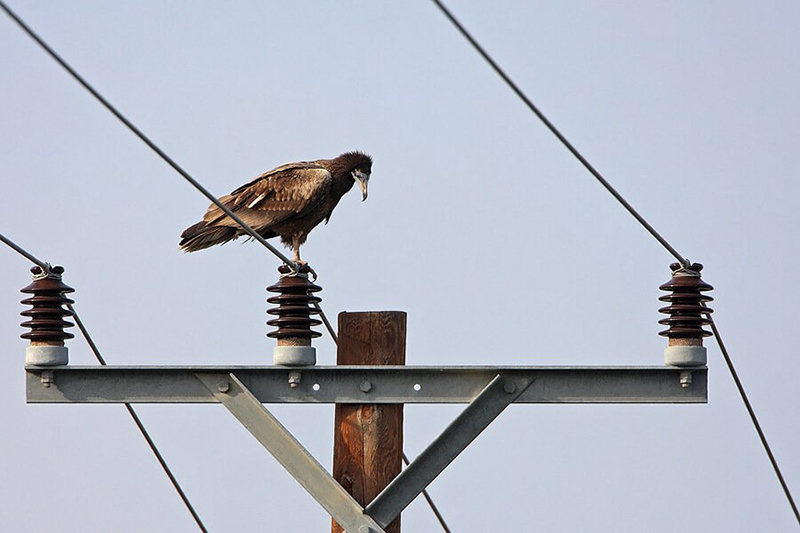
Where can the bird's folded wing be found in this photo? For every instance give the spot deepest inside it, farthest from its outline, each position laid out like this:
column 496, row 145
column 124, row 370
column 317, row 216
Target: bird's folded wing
column 274, row 196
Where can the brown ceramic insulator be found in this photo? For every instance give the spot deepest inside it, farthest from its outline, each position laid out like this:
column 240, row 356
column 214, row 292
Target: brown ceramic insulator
column 295, row 301
column 46, row 316
column 686, row 310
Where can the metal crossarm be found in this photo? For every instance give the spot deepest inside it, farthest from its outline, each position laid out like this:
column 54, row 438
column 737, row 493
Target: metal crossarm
column 289, row 452
column 488, row 391
column 388, row 384
column 477, row 416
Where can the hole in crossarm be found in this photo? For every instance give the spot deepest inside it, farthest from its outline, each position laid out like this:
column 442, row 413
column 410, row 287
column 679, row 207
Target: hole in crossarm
column 315, row 386
column 417, row 387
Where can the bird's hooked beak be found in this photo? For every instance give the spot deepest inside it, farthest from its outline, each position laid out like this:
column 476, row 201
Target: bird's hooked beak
column 362, row 178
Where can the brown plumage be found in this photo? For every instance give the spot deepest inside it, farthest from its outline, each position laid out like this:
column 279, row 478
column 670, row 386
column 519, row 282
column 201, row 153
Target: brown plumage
column 287, row 202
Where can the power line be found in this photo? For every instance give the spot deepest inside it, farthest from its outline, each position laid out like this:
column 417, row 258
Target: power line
column 327, row 323
column 250, row 231
column 432, row 505
column 47, row 268
column 24, row 253
column 641, row 220
column 153, row 146
column 558, row 134
column 281, row 256
column 141, row 427
column 754, row 418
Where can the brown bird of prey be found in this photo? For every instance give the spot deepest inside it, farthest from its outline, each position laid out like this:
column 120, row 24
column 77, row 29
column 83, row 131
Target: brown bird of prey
column 286, row 202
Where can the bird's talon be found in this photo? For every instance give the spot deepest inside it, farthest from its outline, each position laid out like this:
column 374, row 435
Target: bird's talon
column 298, row 266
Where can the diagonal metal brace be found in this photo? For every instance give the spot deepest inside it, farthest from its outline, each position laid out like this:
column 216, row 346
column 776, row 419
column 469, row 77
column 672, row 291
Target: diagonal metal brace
column 476, row 417
column 289, row 452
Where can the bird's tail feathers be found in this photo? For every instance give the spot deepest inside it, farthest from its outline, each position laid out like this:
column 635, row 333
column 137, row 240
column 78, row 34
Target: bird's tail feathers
column 200, row 236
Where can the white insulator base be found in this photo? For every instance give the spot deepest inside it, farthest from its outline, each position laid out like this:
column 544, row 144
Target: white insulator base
column 685, row 356
column 294, row 355
column 46, row 355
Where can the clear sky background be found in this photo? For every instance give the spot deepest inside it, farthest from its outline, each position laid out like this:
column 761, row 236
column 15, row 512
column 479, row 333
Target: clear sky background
column 479, row 224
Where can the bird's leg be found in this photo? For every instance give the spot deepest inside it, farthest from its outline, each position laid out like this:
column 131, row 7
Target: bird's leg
column 296, row 264
column 299, row 263
column 296, row 247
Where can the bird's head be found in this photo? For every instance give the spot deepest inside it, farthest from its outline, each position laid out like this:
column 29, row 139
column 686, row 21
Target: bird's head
column 360, row 168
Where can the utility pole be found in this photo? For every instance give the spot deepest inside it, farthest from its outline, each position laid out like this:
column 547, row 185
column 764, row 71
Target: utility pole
column 368, row 438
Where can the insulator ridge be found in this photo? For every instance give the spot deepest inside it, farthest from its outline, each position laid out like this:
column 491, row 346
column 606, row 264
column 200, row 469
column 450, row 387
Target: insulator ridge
column 295, row 305
column 47, row 313
column 686, row 307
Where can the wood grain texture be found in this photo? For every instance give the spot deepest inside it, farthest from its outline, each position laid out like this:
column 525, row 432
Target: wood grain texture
column 368, row 439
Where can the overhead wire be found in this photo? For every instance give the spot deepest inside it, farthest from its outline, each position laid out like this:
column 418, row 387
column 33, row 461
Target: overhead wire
column 753, row 417
column 142, row 429
column 171, row 162
column 47, row 267
column 24, row 253
column 514, row 87
column 144, row 138
column 153, row 146
column 432, row 505
column 252, row 233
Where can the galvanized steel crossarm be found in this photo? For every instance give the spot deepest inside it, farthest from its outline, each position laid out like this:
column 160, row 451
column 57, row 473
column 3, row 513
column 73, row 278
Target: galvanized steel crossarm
column 235, row 396
column 368, row 384
column 482, row 411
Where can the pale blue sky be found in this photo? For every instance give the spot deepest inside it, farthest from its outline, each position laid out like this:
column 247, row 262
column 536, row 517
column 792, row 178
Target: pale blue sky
column 499, row 245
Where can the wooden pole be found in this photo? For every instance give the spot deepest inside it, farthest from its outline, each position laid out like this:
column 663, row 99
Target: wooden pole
column 368, row 439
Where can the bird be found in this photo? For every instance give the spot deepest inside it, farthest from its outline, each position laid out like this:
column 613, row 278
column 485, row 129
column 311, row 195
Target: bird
column 287, row 202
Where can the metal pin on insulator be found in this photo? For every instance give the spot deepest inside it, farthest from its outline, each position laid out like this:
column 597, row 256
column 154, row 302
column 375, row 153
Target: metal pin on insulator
column 46, row 318
column 686, row 318
column 295, row 301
